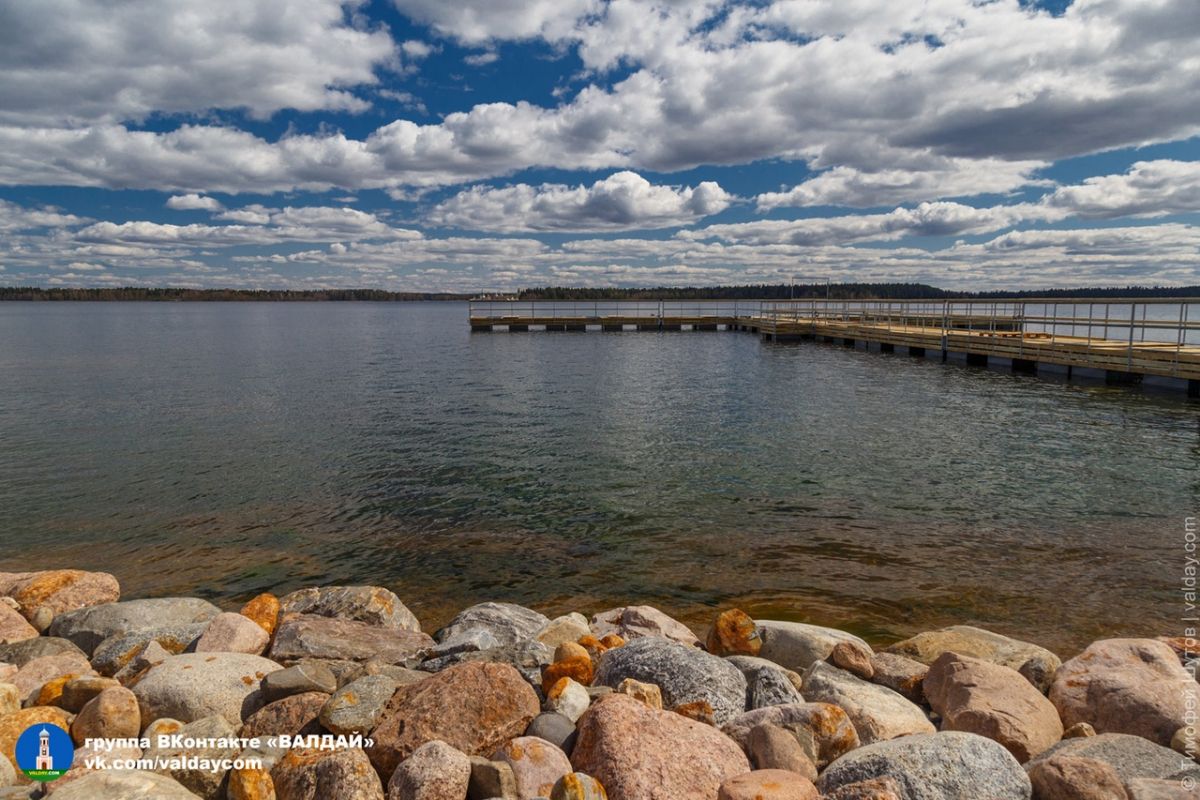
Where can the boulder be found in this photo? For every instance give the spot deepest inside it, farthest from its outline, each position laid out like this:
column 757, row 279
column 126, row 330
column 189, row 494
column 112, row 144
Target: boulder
column 569, row 698
column 938, row 766
column 772, row 747
column 435, row 771
column 112, row 714
column 638, row 753
column 900, row 674
column 19, row 654
column 647, row 693
column 296, row 714
column 37, row 672
column 10, row 698
column 216, row 733
column 372, row 605
column 823, row 730
column 78, row 691
column 13, row 627
column 123, row 785
column 491, row 779
column 1131, row 756
column 635, row 622
column 877, row 712
column 554, row 728
column 503, row 623
column 249, row 783
column 1037, row 664
column 322, row 774
column 1075, row 778
column 233, row 633
column 536, row 764
column 358, row 706
column 578, row 786
column 567, row 628
column 306, row 676
column 527, row 657
column 88, row 627
column 977, row 696
column 263, row 611
column 768, row 784
column 798, row 645
column 873, row 789
column 117, row 652
column 1151, row 789
column 193, row 686
column 56, row 591
column 311, row 636
column 474, row 707
column 1133, row 686
column 571, row 661
column 734, row 633
column 771, row 686
column 684, row 674
column 854, row 658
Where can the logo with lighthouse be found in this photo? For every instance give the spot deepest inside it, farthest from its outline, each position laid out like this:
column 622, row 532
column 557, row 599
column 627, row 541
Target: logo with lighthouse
column 44, row 752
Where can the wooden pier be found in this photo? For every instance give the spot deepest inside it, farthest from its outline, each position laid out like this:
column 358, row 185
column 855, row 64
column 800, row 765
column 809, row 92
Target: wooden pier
column 1119, row 340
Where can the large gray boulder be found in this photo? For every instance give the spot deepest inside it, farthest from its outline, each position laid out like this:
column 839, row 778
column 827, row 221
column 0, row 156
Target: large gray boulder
column 939, row 766
column 1131, row 756
column 798, row 645
column 88, row 627
column 490, row 625
column 193, row 686
column 684, row 674
column 878, row 713
column 373, row 605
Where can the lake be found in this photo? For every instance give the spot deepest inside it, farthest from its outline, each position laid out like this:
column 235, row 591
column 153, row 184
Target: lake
column 226, row 449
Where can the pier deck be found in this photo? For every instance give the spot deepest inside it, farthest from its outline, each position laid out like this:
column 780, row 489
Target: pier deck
column 1122, row 340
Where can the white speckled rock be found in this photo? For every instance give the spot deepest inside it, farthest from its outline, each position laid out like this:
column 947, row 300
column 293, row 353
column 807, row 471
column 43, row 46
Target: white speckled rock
column 192, row 686
column 878, row 713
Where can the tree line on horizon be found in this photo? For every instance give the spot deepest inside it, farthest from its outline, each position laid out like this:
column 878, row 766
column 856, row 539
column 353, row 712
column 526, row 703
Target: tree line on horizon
column 782, row 291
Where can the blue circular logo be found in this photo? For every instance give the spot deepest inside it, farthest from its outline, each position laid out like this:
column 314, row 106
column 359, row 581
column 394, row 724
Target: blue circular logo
column 44, row 752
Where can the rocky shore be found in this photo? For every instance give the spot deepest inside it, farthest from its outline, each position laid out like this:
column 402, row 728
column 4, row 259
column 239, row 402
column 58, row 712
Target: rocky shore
column 625, row 704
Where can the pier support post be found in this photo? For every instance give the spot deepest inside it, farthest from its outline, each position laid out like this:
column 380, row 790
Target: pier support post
column 847, row 342
column 556, row 326
column 1114, row 377
column 518, row 328
column 672, row 326
column 918, row 352
column 977, row 359
column 481, row 329
column 1024, row 365
column 887, row 347
column 1193, row 388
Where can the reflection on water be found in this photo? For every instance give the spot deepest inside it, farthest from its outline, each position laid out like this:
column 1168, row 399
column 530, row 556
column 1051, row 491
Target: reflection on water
column 227, row 449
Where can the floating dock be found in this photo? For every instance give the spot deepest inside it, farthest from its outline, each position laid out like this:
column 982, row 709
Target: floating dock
column 1123, row 341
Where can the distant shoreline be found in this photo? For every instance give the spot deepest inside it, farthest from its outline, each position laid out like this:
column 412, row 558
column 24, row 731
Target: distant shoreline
column 843, row 291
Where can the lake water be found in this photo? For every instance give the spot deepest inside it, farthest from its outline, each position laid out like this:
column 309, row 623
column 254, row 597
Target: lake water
column 227, row 449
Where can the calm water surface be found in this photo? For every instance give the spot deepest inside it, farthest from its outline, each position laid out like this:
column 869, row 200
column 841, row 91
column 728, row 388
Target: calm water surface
column 227, row 449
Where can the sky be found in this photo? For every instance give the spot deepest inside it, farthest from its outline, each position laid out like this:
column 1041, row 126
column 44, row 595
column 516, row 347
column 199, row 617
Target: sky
column 489, row 145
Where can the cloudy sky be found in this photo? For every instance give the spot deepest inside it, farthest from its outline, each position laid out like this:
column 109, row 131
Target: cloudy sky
column 493, row 144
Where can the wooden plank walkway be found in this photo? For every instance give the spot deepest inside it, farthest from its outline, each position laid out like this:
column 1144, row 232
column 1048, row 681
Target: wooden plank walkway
column 1122, row 339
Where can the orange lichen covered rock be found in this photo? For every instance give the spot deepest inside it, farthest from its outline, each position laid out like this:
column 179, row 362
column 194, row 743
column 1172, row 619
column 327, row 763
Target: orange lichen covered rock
column 58, row 590
column 734, row 633
column 571, row 660
column 263, row 610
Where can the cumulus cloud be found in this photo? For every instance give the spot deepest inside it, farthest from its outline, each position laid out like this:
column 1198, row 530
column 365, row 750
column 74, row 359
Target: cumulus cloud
column 622, row 201
column 73, row 61
column 193, row 202
column 14, row 217
column 475, row 21
column 1149, row 188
